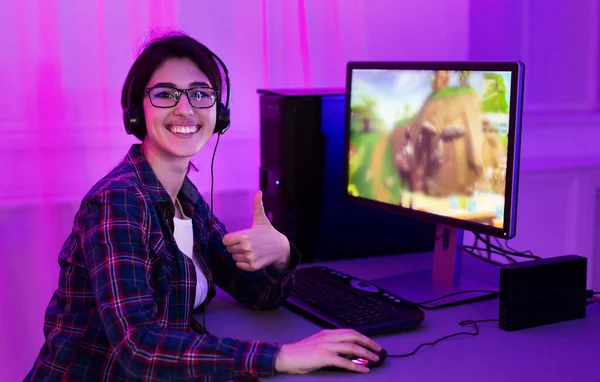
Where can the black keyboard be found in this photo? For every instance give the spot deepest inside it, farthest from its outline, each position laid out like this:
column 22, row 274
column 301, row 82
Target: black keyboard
column 336, row 300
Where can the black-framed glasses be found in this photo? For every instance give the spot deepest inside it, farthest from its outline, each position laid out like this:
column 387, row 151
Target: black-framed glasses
column 200, row 97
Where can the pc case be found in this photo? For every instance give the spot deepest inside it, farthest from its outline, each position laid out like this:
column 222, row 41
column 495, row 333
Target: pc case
column 301, row 164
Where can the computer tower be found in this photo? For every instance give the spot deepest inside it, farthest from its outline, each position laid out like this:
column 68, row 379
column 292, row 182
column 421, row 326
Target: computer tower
column 301, row 164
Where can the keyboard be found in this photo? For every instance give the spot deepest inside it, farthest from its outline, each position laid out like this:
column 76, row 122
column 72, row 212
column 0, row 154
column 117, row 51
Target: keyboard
column 336, row 300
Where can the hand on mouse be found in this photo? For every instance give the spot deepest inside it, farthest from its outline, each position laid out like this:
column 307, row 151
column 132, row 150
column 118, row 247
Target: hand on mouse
column 325, row 349
column 260, row 245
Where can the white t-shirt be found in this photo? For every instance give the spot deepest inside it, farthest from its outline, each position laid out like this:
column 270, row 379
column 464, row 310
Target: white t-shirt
column 184, row 237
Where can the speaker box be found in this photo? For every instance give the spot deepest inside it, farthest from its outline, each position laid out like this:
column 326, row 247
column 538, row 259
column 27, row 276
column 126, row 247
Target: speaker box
column 301, row 163
column 542, row 292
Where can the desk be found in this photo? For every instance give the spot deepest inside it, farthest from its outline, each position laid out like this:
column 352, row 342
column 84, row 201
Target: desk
column 568, row 351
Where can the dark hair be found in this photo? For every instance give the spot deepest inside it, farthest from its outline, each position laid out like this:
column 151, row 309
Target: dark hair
column 153, row 54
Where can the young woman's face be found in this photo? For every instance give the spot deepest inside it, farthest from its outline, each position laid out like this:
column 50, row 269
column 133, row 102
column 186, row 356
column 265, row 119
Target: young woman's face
column 180, row 130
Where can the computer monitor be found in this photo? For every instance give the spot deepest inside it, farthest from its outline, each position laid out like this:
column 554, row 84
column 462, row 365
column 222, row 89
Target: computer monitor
column 437, row 141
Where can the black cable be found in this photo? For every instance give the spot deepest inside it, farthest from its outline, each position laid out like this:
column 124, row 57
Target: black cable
column 211, row 214
column 511, row 253
column 469, row 249
column 455, row 294
column 490, row 249
column 527, row 254
column 462, row 323
column 489, row 294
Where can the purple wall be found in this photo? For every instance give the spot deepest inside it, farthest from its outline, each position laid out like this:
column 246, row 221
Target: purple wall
column 560, row 177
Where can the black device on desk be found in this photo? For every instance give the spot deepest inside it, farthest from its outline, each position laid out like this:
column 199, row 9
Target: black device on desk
column 542, row 292
column 437, row 142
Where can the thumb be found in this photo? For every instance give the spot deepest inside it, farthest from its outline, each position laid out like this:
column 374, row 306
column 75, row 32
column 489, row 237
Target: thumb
column 259, row 210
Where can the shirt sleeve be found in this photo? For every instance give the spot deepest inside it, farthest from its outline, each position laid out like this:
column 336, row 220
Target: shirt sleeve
column 117, row 257
column 264, row 289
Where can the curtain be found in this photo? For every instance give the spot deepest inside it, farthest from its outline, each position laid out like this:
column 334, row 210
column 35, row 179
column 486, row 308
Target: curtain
column 62, row 70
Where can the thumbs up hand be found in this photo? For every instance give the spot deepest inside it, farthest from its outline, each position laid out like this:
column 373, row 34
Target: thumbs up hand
column 260, row 245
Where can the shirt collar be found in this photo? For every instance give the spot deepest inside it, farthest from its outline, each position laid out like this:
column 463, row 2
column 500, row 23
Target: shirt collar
column 155, row 189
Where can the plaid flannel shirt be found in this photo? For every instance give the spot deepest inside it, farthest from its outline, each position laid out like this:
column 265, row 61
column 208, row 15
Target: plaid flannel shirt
column 123, row 307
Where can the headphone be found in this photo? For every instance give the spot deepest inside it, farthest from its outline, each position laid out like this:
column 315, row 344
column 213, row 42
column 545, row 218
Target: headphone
column 133, row 115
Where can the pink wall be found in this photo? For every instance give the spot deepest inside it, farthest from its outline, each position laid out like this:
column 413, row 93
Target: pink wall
column 61, row 124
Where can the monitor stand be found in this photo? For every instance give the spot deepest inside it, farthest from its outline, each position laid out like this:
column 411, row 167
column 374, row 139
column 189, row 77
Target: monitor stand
column 443, row 278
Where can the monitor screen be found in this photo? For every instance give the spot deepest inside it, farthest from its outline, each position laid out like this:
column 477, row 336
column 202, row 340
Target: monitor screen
column 437, row 141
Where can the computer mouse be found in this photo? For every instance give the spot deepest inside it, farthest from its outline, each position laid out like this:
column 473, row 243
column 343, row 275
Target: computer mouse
column 362, row 361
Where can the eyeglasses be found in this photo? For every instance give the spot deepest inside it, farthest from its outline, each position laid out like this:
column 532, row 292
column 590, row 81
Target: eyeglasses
column 166, row 96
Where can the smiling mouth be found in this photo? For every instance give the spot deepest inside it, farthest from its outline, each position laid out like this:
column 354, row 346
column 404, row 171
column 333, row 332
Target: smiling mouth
column 183, row 130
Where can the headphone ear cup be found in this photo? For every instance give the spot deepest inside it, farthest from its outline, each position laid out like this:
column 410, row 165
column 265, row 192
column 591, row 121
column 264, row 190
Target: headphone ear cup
column 126, row 120
column 131, row 119
column 223, row 120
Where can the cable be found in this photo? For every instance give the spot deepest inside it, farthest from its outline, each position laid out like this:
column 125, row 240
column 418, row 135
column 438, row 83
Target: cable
column 488, row 249
column 462, row 323
column 498, row 247
column 470, row 250
column 492, row 249
column 211, row 215
column 527, row 254
column 489, row 294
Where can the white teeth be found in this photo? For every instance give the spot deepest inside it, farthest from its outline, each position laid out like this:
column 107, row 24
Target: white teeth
column 183, row 129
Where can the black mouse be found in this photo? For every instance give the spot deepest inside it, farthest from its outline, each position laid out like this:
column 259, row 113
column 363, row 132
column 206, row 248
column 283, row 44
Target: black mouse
column 361, row 361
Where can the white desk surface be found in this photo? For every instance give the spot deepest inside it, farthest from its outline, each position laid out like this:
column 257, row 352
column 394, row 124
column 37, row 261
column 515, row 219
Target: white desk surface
column 568, row 351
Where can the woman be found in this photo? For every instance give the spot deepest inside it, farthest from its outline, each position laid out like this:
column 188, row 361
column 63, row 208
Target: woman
column 145, row 253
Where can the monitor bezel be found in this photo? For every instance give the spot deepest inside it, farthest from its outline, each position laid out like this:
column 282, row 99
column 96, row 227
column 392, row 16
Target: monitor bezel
column 517, row 70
